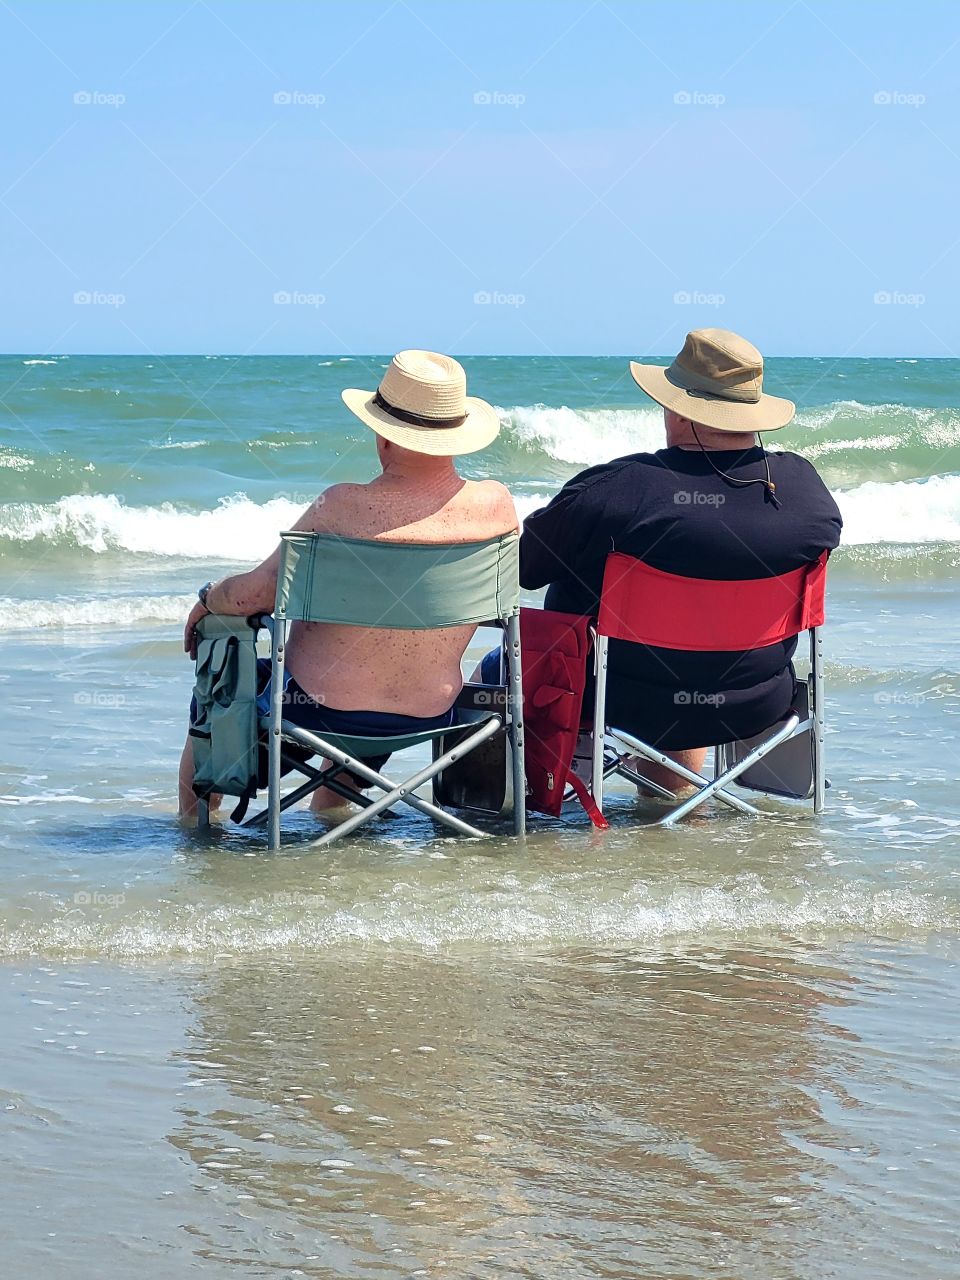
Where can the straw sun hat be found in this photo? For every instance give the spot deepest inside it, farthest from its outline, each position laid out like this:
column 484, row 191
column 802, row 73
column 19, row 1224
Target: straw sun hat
column 716, row 381
column 422, row 405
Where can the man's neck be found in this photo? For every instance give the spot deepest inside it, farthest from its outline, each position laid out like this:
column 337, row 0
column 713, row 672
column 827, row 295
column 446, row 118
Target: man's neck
column 433, row 472
column 735, row 444
column 712, row 441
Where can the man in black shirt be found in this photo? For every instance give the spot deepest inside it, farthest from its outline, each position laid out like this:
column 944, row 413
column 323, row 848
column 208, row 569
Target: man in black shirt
column 712, row 504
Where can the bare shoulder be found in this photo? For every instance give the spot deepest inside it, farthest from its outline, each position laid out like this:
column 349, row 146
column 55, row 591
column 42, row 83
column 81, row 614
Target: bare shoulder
column 334, row 510
column 494, row 503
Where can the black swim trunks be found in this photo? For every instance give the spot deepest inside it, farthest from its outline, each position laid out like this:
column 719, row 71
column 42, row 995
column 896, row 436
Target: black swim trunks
column 305, row 712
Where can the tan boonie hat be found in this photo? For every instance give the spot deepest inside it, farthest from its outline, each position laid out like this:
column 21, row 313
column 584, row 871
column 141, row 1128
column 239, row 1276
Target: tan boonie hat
column 716, row 380
column 422, row 405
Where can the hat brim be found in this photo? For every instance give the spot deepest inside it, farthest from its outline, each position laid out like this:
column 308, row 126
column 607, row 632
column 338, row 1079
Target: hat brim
column 481, row 427
column 769, row 413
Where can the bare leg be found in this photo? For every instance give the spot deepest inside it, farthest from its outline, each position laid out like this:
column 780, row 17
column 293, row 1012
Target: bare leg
column 323, row 799
column 692, row 759
column 188, row 799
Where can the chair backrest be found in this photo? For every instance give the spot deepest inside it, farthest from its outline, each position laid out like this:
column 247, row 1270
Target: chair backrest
column 404, row 586
column 647, row 606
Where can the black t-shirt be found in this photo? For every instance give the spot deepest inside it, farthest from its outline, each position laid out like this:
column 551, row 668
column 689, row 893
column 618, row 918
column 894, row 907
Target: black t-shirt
column 671, row 510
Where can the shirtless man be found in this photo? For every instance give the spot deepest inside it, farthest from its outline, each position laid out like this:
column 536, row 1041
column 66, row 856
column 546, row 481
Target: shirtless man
column 422, row 417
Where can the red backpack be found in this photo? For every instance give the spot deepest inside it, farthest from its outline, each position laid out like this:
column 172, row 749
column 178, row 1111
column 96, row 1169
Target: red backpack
column 556, row 650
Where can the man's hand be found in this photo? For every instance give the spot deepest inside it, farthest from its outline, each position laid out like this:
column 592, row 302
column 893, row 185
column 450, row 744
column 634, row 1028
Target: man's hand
column 190, row 630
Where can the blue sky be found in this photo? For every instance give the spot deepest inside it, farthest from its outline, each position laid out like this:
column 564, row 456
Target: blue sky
column 562, row 176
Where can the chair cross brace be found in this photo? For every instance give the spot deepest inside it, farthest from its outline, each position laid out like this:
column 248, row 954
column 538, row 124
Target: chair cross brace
column 316, row 778
column 718, row 786
column 658, row 757
column 393, row 792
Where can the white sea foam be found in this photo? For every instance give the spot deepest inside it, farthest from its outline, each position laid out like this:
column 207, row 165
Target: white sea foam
column 912, row 424
column 584, row 436
column 823, row 448
column 527, row 503
column 14, row 462
column 546, row 912
column 237, row 529
column 93, row 611
column 587, row 436
column 39, row 362
column 906, row 511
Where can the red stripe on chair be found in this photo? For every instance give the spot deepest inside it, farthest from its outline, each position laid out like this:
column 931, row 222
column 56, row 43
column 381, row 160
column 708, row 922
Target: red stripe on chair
column 647, row 606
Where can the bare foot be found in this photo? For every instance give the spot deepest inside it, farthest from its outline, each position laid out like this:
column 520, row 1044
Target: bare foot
column 324, row 801
column 664, row 776
column 681, row 792
column 189, row 817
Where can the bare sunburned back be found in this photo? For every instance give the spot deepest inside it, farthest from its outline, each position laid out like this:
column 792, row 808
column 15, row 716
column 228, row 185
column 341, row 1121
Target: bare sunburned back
column 415, row 673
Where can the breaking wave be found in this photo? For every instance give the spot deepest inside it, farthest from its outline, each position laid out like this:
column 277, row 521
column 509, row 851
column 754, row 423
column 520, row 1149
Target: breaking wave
column 236, row 529
column 66, row 612
column 241, row 530
column 851, row 441
column 546, row 912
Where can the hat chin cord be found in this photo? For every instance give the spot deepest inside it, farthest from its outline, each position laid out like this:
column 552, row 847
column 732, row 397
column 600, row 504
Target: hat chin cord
column 770, row 489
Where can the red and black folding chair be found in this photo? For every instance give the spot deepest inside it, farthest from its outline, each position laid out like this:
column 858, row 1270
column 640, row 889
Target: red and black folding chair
column 664, row 610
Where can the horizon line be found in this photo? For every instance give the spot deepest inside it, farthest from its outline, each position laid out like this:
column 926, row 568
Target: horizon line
column 464, row 355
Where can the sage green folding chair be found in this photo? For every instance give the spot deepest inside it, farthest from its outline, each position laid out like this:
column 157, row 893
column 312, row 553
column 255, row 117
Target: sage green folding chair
column 393, row 586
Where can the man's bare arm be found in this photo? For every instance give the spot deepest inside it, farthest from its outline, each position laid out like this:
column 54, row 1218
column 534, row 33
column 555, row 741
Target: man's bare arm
column 255, row 591
column 243, row 594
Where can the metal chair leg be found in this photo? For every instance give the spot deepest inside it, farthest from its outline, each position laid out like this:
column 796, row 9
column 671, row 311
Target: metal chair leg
column 273, row 740
column 639, row 780
column 716, row 787
column 598, row 735
column 515, row 713
column 404, row 790
column 658, row 757
column 816, row 671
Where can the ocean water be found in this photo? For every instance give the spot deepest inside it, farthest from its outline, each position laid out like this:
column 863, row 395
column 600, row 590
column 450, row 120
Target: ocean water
column 728, row 1049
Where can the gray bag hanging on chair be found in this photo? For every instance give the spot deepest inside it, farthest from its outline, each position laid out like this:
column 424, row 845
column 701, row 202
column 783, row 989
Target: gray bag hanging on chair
column 224, row 718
